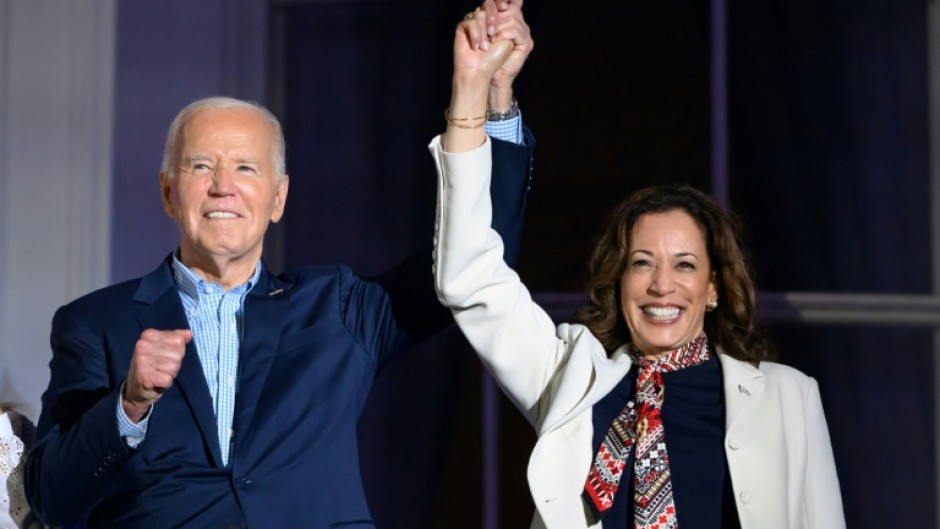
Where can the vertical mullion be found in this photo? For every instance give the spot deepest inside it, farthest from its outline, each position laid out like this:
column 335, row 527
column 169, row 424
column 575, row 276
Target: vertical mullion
column 933, row 90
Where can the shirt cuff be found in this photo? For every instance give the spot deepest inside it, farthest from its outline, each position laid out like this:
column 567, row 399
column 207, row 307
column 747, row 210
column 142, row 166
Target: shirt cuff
column 507, row 130
column 132, row 433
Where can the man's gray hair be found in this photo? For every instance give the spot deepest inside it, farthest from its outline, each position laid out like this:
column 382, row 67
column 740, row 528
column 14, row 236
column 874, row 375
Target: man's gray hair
column 171, row 150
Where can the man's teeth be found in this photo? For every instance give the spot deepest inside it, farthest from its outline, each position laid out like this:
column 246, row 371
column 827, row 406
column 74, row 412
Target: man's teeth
column 661, row 312
column 221, row 215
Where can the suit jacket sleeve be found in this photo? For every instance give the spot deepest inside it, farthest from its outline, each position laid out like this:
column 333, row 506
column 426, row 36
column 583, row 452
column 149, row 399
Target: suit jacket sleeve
column 77, row 432
column 512, row 175
column 413, row 306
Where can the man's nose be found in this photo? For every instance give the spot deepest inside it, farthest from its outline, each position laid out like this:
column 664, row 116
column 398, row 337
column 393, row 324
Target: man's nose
column 223, row 181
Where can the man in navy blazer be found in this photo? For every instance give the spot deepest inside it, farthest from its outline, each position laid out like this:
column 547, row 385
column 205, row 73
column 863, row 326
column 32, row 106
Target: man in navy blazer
column 211, row 393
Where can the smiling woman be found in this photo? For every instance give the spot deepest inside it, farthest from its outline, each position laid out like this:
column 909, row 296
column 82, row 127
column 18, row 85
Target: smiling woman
column 662, row 406
column 694, row 239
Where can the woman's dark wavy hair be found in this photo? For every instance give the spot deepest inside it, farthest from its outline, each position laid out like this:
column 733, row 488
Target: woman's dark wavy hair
column 731, row 325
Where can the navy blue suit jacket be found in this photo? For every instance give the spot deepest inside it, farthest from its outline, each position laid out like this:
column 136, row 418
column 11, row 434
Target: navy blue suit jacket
column 314, row 339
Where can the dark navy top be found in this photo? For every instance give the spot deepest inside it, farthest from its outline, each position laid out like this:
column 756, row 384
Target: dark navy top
column 694, row 427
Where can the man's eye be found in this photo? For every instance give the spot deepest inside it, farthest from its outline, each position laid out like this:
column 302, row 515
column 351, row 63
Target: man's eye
column 200, row 167
column 246, row 168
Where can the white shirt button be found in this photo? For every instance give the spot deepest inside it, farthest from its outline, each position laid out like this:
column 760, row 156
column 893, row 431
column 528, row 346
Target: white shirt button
column 745, row 497
column 734, row 443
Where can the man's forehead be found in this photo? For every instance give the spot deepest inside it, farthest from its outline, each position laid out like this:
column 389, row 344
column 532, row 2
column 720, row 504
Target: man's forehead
column 203, row 156
column 210, row 124
column 213, row 118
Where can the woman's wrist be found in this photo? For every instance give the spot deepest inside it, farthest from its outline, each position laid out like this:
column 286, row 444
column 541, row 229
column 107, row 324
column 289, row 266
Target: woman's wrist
column 469, row 95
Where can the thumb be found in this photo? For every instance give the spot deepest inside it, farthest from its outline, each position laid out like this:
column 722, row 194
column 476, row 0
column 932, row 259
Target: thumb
column 186, row 335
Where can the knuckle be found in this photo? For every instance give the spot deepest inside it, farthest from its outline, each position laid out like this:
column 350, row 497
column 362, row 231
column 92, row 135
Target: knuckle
column 150, row 334
column 140, row 348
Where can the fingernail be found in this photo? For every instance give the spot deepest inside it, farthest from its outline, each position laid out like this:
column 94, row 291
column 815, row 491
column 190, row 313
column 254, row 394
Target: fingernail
column 491, row 30
column 486, row 45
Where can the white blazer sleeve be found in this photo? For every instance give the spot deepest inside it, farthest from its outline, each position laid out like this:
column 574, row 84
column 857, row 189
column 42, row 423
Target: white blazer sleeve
column 513, row 336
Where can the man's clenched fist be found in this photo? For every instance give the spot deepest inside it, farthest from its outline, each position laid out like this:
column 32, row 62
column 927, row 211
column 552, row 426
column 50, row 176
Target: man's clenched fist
column 157, row 358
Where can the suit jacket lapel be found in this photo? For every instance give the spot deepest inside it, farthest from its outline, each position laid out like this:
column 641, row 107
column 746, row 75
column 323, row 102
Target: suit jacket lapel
column 159, row 307
column 265, row 312
column 743, row 385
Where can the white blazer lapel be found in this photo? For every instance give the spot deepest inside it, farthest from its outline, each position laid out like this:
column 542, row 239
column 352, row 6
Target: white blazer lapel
column 743, row 384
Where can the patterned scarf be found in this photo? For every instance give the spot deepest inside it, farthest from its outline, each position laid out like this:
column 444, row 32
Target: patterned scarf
column 640, row 424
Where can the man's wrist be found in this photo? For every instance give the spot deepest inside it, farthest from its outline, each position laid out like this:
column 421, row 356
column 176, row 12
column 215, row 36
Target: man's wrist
column 131, row 429
column 504, row 115
column 135, row 411
column 499, row 99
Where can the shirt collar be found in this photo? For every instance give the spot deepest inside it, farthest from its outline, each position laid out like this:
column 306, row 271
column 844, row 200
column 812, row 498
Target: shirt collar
column 192, row 285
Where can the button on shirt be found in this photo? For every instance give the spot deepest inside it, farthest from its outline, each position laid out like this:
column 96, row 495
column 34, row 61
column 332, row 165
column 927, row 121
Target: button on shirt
column 216, row 318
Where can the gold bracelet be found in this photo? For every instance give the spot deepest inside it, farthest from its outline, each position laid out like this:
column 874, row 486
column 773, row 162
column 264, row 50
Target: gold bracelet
column 456, row 122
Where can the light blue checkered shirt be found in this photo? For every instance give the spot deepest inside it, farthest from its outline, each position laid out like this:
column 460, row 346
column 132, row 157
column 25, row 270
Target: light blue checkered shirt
column 506, row 130
column 216, row 318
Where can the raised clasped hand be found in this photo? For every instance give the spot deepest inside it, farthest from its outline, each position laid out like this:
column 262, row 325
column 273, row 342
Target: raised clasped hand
column 493, row 41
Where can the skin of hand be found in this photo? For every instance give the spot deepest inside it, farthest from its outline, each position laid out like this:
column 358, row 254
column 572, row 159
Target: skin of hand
column 474, row 65
column 501, row 20
column 475, row 55
column 504, row 20
column 157, row 358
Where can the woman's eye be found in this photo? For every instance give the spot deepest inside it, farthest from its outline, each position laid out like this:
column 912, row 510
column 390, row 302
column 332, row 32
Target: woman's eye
column 642, row 263
column 685, row 265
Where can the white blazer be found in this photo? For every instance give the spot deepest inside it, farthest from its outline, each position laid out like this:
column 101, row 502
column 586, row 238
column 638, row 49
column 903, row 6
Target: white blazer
column 776, row 441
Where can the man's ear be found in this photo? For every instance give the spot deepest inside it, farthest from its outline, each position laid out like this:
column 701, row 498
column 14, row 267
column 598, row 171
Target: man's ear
column 280, row 199
column 166, row 193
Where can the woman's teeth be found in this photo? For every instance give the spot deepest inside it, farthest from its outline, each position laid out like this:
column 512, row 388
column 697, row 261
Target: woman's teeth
column 661, row 313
